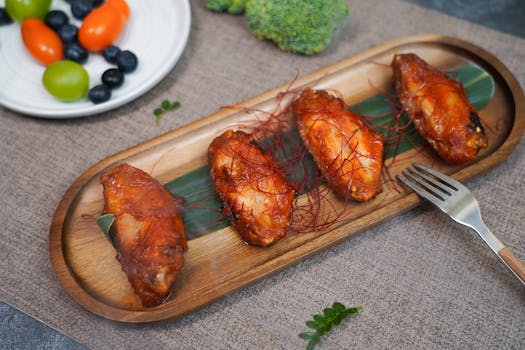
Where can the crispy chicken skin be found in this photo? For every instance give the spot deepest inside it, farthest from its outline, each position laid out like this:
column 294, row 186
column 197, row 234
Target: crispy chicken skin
column 346, row 150
column 439, row 109
column 149, row 235
column 255, row 194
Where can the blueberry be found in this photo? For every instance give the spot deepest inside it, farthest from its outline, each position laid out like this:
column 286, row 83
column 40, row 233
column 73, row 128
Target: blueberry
column 4, row 17
column 75, row 52
column 56, row 19
column 127, row 61
column 97, row 3
column 68, row 33
column 100, row 93
column 110, row 53
column 113, row 78
column 81, row 8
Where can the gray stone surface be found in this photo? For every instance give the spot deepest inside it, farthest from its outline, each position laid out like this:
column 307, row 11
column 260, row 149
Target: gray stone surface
column 504, row 15
column 22, row 332
column 19, row 331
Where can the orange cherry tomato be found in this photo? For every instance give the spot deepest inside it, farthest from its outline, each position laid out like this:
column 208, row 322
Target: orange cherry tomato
column 121, row 6
column 103, row 25
column 41, row 41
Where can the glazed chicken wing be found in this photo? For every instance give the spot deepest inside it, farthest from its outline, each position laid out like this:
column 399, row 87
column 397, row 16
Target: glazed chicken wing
column 149, row 235
column 346, row 150
column 439, row 109
column 254, row 192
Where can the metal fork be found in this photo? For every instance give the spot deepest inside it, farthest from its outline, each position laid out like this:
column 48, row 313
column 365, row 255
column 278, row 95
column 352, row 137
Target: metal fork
column 458, row 202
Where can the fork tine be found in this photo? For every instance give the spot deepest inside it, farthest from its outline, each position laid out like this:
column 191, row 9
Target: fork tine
column 446, row 179
column 426, row 187
column 447, row 190
column 421, row 191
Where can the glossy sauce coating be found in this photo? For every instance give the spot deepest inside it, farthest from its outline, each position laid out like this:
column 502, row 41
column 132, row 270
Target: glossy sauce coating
column 254, row 192
column 439, row 109
column 346, row 150
column 149, row 238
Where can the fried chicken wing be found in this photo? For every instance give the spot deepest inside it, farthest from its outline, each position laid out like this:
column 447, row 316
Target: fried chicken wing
column 255, row 194
column 439, row 109
column 346, row 150
column 149, row 237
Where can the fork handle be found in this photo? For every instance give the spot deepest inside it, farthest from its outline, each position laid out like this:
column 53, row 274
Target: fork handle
column 506, row 255
column 513, row 262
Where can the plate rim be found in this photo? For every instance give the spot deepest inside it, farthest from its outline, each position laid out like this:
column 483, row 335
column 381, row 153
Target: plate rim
column 96, row 109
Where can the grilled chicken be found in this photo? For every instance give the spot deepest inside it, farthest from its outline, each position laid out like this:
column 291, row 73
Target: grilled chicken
column 149, row 236
column 346, row 150
column 255, row 194
column 439, row 109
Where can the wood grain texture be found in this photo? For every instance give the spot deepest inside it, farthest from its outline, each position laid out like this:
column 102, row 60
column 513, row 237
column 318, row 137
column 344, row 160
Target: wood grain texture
column 513, row 261
column 220, row 263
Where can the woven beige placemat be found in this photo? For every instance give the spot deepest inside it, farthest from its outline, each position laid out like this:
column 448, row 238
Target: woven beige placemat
column 424, row 281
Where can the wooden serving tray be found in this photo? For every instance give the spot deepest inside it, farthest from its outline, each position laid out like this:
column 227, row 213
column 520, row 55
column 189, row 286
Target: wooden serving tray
column 220, row 263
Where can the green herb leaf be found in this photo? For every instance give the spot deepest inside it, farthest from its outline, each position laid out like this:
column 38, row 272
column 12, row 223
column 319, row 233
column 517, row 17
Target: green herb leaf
column 105, row 222
column 313, row 342
column 329, row 313
column 328, row 326
column 312, row 324
column 319, row 319
column 354, row 310
column 306, row 335
column 338, row 307
column 323, row 324
column 164, row 107
column 158, row 112
column 174, row 105
column 337, row 319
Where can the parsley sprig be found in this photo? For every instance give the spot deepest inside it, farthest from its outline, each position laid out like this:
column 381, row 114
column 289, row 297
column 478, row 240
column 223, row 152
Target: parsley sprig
column 322, row 324
column 165, row 106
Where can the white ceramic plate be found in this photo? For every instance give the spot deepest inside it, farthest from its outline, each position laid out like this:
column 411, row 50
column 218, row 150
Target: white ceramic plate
column 157, row 32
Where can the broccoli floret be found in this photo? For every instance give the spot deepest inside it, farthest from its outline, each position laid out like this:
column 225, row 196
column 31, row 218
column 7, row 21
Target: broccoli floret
column 232, row 6
column 296, row 25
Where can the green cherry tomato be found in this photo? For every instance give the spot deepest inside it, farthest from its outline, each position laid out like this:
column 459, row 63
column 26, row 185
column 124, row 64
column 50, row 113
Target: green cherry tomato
column 21, row 10
column 66, row 80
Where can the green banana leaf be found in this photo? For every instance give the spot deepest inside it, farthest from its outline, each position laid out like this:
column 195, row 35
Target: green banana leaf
column 202, row 213
column 105, row 222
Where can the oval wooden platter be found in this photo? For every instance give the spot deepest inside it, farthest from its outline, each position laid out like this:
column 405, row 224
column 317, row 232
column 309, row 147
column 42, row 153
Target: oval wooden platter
column 220, row 263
